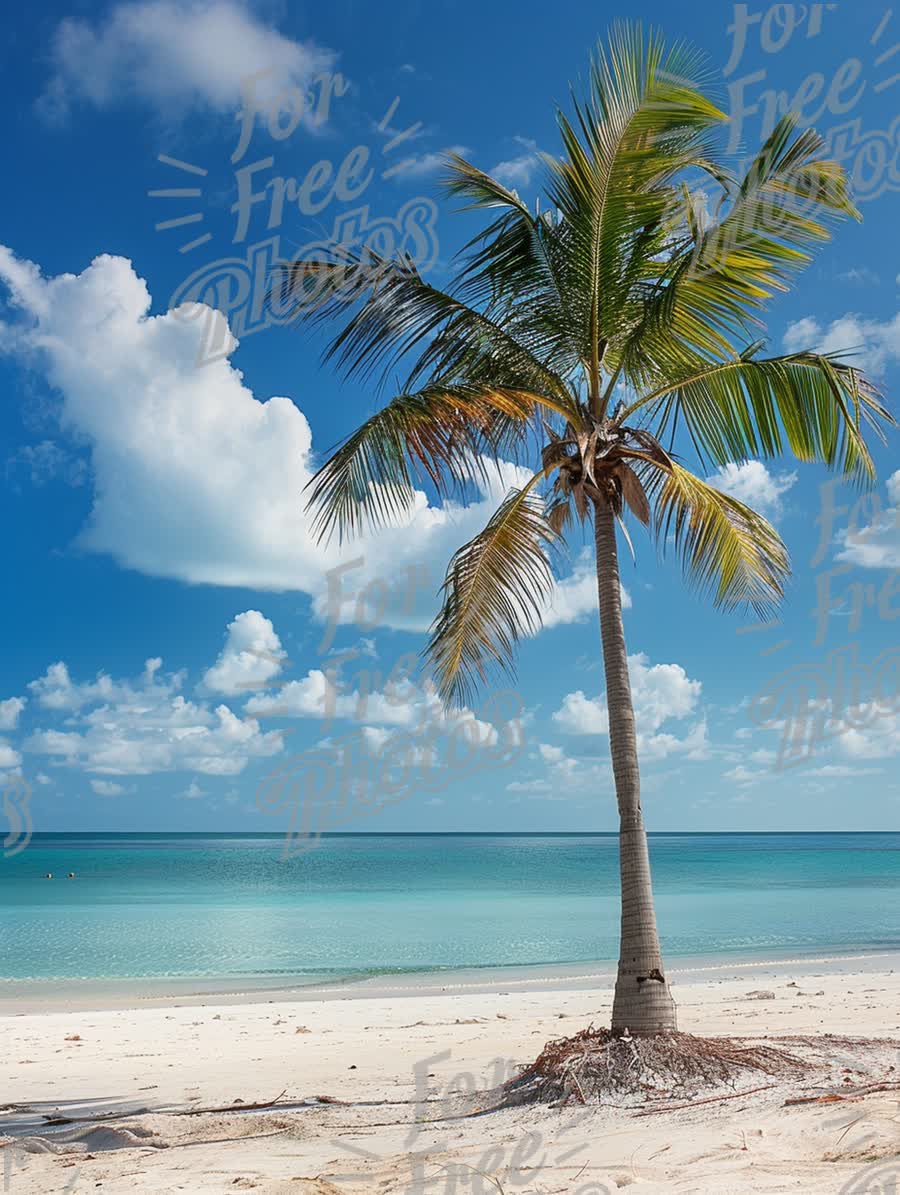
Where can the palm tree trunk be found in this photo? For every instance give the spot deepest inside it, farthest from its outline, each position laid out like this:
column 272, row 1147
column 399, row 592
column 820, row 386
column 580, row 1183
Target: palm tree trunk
column 643, row 1003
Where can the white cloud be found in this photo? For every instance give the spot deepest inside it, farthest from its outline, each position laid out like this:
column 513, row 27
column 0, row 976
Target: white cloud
column 9, row 757
column 659, row 692
column 842, row 771
column 517, row 171
column 173, row 55
column 742, row 775
column 753, row 484
column 859, row 276
column 423, row 165
column 580, row 714
column 9, row 712
column 400, row 704
column 876, row 545
column 537, row 786
column 251, row 657
column 763, row 755
column 48, row 461
column 111, row 727
column 55, row 690
column 167, row 437
column 574, row 598
column 107, row 788
column 125, row 728
column 874, row 732
column 874, row 344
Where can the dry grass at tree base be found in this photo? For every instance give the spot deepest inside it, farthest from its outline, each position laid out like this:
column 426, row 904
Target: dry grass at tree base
column 598, row 1066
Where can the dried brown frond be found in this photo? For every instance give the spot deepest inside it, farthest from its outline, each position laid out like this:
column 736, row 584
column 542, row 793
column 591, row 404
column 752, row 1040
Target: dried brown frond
column 598, row 1066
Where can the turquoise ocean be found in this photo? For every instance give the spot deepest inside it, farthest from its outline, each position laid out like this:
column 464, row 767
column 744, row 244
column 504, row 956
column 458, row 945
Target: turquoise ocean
column 190, row 906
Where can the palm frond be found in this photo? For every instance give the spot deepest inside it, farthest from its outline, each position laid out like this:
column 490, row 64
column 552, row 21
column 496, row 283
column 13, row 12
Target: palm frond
column 520, row 261
column 716, row 281
column 726, row 548
column 390, row 312
column 643, row 122
column 812, row 404
column 446, row 432
column 494, row 593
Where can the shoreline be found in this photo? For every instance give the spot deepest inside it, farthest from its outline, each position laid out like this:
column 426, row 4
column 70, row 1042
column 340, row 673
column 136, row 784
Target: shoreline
column 36, row 996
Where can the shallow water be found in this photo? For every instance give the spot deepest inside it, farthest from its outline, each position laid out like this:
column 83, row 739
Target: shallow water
column 232, row 906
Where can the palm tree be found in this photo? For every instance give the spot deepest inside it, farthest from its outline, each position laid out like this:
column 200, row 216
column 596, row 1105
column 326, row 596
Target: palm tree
column 590, row 334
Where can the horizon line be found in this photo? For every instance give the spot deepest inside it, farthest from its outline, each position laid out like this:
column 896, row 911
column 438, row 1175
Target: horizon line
column 438, row 833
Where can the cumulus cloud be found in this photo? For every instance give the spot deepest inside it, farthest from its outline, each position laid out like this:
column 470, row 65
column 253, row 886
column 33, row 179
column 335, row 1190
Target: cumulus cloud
column 251, row 657
column 874, row 344
column 166, row 437
column 133, row 728
column 397, row 703
column 752, row 483
column 107, row 788
column 877, row 544
column 10, row 711
column 113, row 727
column 660, row 692
column 517, row 171
column 874, row 732
column 574, row 598
column 9, row 757
column 56, row 690
column 172, row 55
column 742, row 775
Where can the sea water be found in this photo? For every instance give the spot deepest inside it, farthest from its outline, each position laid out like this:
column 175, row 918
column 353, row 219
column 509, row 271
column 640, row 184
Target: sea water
column 198, row 906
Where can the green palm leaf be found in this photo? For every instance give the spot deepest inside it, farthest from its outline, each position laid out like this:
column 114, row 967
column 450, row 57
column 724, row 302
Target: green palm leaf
column 494, row 593
column 726, row 548
column 449, row 433
column 813, row 405
column 643, row 123
column 395, row 312
column 716, row 280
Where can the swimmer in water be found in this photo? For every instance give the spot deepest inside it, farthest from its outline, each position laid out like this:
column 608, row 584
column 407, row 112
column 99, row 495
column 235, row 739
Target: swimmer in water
column 49, row 875
column 71, row 875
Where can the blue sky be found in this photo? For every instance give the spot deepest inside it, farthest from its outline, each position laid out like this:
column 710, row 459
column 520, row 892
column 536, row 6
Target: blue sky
column 166, row 610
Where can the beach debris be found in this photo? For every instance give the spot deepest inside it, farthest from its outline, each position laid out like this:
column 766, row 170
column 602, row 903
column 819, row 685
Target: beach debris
column 712, row 1099
column 843, row 1094
column 237, row 1105
column 597, row 1066
column 760, row 995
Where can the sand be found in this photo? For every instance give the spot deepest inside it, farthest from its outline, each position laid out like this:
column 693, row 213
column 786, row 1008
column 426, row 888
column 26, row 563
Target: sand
column 399, row 1054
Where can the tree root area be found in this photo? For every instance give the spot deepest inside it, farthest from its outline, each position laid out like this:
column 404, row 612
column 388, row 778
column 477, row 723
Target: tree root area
column 598, row 1066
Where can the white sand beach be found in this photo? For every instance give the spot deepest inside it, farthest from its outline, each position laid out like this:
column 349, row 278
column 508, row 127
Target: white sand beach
column 381, row 1051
